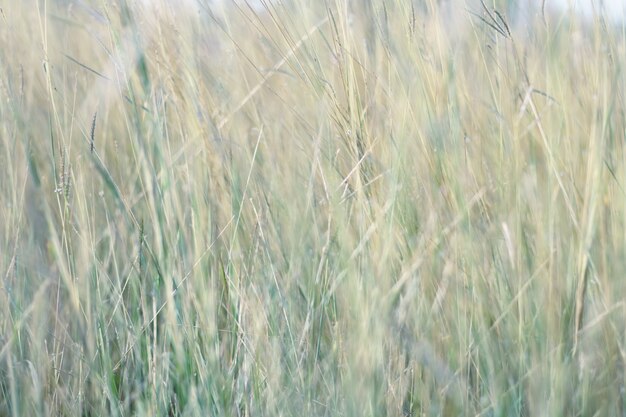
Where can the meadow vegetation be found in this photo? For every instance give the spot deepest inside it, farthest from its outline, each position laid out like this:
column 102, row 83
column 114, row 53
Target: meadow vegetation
column 329, row 208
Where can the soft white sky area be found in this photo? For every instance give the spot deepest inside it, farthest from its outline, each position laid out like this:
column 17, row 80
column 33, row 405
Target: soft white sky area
column 613, row 10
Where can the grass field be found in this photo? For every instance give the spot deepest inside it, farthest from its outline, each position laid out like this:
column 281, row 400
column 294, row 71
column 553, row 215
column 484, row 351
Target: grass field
column 330, row 208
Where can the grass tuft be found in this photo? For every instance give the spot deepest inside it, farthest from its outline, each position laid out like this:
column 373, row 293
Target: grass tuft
column 341, row 208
